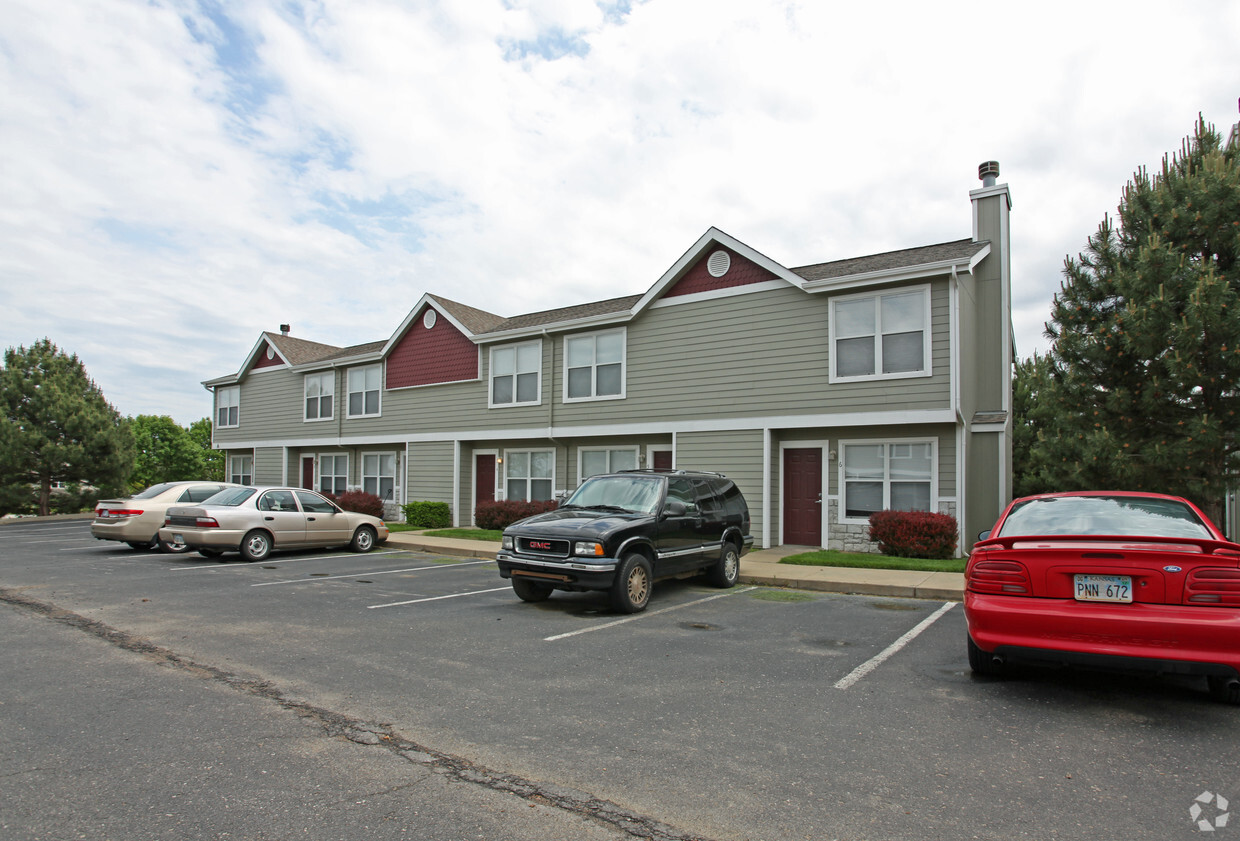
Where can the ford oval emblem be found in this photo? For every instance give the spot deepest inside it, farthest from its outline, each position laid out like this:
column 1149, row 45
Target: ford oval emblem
column 1171, row 569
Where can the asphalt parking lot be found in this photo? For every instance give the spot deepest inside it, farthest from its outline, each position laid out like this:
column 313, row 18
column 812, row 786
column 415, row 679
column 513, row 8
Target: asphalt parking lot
column 750, row 713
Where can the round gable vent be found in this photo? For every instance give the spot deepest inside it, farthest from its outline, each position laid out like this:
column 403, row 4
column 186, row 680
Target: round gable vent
column 719, row 263
column 428, row 320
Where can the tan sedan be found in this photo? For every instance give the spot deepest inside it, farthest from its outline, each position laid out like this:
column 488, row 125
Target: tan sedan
column 136, row 520
column 257, row 521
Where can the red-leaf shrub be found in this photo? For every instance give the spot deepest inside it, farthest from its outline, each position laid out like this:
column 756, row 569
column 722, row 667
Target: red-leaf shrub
column 914, row 534
column 500, row 515
column 361, row 502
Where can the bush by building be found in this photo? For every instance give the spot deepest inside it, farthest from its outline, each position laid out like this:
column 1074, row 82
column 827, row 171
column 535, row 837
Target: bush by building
column 500, row 515
column 428, row 515
column 361, row 502
column 914, row 534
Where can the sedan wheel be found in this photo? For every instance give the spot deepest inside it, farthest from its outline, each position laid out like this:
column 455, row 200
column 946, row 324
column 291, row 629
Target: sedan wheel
column 172, row 548
column 363, row 539
column 256, row 546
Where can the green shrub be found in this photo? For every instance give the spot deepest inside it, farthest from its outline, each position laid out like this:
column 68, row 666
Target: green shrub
column 428, row 515
column 501, row 515
column 914, row 534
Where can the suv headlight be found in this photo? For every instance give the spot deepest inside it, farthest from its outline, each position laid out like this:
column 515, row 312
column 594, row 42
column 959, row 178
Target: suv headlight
column 594, row 550
column 506, row 543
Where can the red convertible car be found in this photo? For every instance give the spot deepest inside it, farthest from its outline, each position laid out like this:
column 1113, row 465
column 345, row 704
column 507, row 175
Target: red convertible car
column 1137, row 582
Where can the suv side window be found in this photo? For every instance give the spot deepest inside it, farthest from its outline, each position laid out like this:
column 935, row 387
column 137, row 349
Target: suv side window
column 709, row 501
column 682, row 489
column 730, row 495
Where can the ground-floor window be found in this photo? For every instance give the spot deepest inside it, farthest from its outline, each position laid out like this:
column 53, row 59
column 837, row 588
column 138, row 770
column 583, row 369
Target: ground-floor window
column 528, row 474
column 895, row 476
column 333, row 474
column 241, row 469
column 379, row 475
column 596, row 461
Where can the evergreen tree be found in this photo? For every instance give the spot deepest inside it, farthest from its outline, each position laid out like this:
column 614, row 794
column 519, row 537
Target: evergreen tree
column 58, row 427
column 1145, row 363
column 166, row 452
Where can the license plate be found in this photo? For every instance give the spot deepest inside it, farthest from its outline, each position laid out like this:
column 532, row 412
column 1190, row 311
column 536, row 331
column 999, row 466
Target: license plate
column 1103, row 588
column 178, row 540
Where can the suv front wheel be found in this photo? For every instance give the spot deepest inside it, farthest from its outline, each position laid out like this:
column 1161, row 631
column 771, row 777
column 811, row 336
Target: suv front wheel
column 630, row 592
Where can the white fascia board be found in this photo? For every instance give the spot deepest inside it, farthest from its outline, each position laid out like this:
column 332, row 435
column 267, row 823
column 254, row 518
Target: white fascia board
column 717, row 294
column 427, row 299
column 715, row 236
column 987, row 192
column 918, row 272
column 606, row 319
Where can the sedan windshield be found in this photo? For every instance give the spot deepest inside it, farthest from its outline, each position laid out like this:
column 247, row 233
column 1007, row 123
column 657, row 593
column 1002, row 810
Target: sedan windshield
column 230, row 496
column 1128, row 516
column 639, row 494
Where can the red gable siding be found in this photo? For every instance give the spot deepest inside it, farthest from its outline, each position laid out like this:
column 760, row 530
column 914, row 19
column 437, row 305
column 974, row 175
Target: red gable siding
column 263, row 361
column 742, row 272
column 442, row 354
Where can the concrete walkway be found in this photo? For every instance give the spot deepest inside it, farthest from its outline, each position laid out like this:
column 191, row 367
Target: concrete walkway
column 761, row 566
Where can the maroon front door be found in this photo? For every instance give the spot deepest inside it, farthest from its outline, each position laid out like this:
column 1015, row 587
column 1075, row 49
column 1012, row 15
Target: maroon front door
column 484, row 479
column 307, row 473
column 662, row 459
column 803, row 496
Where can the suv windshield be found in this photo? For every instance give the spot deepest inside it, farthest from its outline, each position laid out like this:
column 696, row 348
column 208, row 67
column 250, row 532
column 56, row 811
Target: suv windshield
column 231, row 496
column 1129, row 516
column 639, row 494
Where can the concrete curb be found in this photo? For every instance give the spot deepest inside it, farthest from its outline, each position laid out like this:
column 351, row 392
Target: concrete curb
column 761, row 567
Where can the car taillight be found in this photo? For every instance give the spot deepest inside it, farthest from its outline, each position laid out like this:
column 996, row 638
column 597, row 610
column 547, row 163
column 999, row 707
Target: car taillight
column 206, row 523
column 1219, row 587
column 1003, row 577
column 117, row 512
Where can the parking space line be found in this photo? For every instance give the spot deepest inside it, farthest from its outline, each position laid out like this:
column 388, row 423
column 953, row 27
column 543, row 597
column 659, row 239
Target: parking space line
column 435, row 598
column 250, row 564
column 645, row 614
column 878, row 659
column 356, row 574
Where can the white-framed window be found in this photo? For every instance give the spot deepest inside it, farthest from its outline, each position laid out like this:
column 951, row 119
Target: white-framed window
column 593, row 461
column 227, row 407
column 882, row 476
column 333, row 473
column 594, row 366
column 516, row 374
column 379, row 475
column 364, row 390
column 884, row 336
column 241, row 469
column 528, row 474
column 320, row 393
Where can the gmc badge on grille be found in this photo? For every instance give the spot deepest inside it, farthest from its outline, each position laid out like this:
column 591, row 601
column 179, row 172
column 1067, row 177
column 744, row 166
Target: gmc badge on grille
column 535, row 544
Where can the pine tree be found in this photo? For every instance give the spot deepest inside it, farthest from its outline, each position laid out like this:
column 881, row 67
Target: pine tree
column 58, row 427
column 1145, row 361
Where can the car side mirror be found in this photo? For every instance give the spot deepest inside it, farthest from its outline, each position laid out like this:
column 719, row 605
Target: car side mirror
column 674, row 508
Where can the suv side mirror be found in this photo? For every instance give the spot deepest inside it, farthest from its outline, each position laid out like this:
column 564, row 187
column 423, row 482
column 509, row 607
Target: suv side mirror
column 674, row 508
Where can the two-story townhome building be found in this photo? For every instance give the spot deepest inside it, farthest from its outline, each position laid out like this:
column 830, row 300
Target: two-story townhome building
column 827, row 392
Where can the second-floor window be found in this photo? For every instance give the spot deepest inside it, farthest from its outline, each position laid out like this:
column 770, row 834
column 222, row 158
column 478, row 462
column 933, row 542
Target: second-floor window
column 594, row 366
column 320, row 395
column 881, row 336
column 227, row 407
column 516, row 374
column 364, row 391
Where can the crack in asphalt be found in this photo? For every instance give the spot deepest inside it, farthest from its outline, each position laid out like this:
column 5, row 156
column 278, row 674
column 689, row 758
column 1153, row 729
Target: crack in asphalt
column 340, row 725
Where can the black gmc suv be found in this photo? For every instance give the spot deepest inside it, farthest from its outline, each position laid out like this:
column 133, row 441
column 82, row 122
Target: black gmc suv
column 621, row 532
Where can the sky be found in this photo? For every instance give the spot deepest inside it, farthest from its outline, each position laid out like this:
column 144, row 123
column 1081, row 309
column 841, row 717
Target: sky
column 177, row 176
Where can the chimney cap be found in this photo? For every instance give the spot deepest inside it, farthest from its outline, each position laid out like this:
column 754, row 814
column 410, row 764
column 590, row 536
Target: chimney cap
column 285, row 328
column 988, row 171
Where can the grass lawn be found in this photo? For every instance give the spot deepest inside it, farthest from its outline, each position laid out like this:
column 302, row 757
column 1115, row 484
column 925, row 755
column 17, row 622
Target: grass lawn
column 491, row 535
column 832, row 558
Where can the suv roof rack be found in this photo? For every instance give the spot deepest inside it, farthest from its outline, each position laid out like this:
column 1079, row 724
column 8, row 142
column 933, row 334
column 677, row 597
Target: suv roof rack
column 667, row 471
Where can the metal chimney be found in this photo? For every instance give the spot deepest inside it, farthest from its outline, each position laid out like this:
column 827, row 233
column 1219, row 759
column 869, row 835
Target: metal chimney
column 285, row 328
column 988, row 172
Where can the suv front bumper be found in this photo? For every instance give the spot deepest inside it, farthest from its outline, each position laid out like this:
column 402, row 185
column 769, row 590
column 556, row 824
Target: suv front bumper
column 566, row 573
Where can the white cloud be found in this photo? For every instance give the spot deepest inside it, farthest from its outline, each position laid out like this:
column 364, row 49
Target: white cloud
column 179, row 176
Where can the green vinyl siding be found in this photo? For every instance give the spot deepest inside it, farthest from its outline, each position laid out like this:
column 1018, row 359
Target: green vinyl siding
column 736, row 454
column 269, row 466
column 429, row 472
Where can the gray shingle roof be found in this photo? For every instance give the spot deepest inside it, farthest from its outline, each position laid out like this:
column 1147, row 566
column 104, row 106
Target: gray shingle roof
column 474, row 320
column 612, row 306
column 888, row 261
column 296, row 351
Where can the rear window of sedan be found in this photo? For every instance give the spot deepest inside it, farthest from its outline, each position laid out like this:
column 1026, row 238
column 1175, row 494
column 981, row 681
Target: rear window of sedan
column 153, row 491
column 230, row 496
column 1103, row 515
